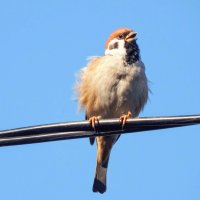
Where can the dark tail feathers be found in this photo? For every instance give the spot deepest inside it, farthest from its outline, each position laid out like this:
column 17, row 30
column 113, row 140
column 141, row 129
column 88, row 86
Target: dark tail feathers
column 100, row 177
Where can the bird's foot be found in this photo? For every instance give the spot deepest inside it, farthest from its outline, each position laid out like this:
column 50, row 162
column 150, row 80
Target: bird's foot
column 124, row 118
column 93, row 120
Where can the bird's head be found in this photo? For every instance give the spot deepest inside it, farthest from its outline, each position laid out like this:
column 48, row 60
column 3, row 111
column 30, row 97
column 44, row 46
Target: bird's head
column 122, row 42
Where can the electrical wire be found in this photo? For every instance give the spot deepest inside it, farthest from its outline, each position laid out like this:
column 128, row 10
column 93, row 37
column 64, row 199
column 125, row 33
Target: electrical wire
column 82, row 129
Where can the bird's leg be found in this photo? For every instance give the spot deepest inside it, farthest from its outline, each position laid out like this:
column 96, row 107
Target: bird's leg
column 124, row 118
column 93, row 120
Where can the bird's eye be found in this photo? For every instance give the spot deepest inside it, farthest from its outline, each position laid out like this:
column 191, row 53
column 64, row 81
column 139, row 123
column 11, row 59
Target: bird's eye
column 121, row 36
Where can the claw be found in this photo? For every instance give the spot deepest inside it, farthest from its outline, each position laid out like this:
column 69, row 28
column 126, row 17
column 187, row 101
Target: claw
column 93, row 120
column 124, row 118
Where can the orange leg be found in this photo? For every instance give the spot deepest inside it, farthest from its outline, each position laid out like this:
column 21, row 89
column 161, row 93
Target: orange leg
column 124, row 118
column 93, row 120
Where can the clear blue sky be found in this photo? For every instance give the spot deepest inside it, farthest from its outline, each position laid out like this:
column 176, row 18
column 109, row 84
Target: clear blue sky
column 43, row 44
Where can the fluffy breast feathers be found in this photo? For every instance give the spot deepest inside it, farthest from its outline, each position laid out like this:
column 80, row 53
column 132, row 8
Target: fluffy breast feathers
column 108, row 88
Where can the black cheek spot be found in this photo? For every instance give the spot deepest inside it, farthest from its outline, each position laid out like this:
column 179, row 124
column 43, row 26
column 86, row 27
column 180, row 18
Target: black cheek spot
column 116, row 45
column 113, row 46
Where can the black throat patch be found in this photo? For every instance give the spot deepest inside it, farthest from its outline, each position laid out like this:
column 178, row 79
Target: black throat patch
column 133, row 52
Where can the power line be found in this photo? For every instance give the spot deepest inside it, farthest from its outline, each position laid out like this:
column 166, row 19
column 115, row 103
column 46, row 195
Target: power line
column 82, row 129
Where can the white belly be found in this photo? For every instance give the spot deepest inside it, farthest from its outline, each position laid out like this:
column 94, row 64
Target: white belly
column 123, row 89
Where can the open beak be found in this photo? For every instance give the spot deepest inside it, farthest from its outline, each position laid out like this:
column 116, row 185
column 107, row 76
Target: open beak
column 131, row 36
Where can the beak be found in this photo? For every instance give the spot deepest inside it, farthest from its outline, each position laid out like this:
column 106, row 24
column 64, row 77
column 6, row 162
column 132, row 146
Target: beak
column 131, row 36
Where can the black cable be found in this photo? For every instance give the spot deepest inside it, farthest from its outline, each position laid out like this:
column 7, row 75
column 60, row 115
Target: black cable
column 82, row 129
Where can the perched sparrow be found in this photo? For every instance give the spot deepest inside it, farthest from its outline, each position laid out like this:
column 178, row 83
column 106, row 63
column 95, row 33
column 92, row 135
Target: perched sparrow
column 112, row 86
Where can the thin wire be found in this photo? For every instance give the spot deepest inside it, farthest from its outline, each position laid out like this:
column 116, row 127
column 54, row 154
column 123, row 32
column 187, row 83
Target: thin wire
column 82, row 129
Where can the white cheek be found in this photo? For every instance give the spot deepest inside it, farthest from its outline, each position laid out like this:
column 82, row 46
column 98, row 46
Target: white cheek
column 120, row 51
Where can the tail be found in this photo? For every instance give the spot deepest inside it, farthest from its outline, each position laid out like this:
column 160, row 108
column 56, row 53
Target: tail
column 99, row 184
column 104, row 146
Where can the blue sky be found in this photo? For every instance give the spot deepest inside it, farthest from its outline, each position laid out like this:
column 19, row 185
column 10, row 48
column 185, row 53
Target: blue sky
column 43, row 44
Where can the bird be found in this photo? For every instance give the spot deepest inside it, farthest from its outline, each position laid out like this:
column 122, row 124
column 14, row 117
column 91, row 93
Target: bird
column 112, row 86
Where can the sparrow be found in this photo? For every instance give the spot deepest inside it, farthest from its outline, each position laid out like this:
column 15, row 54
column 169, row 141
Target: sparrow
column 112, row 86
